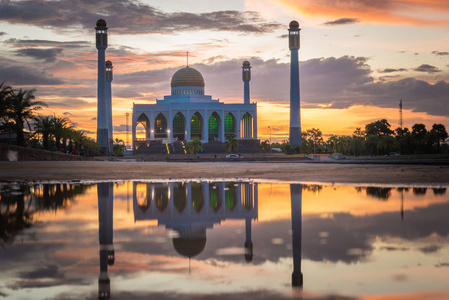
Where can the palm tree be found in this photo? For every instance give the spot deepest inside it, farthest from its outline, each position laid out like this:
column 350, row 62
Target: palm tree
column 194, row 146
column 118, row 147
column 60, row 126
column 232, row 143
column 5, row 93
column 44, row 127
column 22, row 108
column 265, row 146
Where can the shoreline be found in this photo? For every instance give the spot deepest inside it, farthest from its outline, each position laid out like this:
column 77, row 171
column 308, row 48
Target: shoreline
column 328, row 173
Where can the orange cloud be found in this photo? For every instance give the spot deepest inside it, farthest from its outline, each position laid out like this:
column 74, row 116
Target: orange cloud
column 410, row 12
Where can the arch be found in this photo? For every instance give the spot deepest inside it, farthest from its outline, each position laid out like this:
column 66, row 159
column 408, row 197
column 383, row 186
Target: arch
column 230, row 196
column 142, row 196
column 214, row 126
column 214, row 197
column 229, row 124
column 247, row 196
column 196, row 126
column 246, row 126
column 160, row 126
column 160, row 196
column 197, row 196
column 179, row 196
column 142, row 127
column 179, row 126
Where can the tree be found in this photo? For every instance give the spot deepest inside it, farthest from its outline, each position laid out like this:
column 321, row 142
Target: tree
column 5, row 93
column 419, row 133
column 60, row 132
column 265, row 146
column 22, row 108
column 315, row 137
column 380, row 127
column 117, row 148
column 439, row 133
column 232, row 143
column 44, row 126
column 404, row 138
column 195, row 146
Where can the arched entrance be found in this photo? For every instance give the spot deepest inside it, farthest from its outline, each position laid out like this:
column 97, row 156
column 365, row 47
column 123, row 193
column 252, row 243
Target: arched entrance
column 196, row 126
column 246, row 126
column 179, row 127
column 160, row 127
column 229, row 124
column 142, row 127
column 214, row 125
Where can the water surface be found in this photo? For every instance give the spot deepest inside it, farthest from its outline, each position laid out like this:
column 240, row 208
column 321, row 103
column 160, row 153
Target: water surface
column 222, row 240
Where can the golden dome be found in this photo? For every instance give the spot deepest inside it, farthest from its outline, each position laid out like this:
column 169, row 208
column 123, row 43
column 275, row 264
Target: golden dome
column 187, row 77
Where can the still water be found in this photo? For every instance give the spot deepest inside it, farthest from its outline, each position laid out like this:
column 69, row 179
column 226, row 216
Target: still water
column 222, row 240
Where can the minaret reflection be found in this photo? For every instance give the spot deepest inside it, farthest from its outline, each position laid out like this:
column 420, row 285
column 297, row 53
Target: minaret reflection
column 189, row 208
column 105, row 191
column 296, row 199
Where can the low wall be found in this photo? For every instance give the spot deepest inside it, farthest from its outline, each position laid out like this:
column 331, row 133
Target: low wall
column 14, row 153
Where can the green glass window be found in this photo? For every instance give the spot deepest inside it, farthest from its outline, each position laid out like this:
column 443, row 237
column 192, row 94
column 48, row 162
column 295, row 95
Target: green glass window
column 213, row 124
column 195, row 124
column 178, row 124
column 229, row 124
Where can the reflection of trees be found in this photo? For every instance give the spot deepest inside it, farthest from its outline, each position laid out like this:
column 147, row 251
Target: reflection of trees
column 419, row 191
column 214, row 197
column 16, row 211
column 312, row 187
column 400, row 189
column 15, row 215
column 439, row 191
column 230, row 195
column 56, row 196
column 379, row 192
column 197, row 196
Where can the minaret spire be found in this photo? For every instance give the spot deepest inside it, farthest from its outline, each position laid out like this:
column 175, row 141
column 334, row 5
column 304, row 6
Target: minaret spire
column 295, row 118
column 109, row 78
column 102, row 109
column 246, row 76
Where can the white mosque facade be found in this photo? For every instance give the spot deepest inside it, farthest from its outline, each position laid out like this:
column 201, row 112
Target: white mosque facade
column 188, row 113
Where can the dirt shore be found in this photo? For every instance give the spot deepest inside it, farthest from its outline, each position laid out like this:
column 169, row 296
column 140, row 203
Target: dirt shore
column 289, row 172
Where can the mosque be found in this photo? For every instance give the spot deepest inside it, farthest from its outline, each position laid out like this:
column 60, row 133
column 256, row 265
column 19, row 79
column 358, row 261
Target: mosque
column 188, row 113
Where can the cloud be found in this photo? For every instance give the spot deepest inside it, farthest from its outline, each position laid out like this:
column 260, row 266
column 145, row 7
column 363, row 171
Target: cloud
column 2, row 33
column 390, row 70
column 427, row 69
column 439, row 53
column 380, row 12
column 46, row 43
column 342, row 21
column 128, row 17
column 335, row 82
column 48, row 55
column 19, row 75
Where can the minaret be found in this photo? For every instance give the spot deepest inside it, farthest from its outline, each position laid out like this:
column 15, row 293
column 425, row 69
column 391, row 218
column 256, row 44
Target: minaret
column 102, row 108
column 296, row 199
column 246, row 75
column 105, row 219
column 295, row 118
column 109, row 102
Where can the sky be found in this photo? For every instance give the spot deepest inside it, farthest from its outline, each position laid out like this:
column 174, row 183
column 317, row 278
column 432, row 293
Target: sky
column 358, row 58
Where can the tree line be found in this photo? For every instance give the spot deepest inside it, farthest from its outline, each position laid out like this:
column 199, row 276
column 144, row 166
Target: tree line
column 376, row 139
column 19, row 107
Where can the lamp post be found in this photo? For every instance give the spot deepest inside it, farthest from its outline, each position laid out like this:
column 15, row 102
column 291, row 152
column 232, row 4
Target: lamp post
column 269, row 127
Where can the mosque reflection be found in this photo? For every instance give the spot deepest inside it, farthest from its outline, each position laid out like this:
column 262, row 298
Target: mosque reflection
column 189, row 209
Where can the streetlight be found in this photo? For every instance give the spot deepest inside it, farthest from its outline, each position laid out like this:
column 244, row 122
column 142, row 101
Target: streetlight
column 269, row 127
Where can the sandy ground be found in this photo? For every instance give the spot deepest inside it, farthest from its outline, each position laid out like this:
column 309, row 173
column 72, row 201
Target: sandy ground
column 288, row 172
